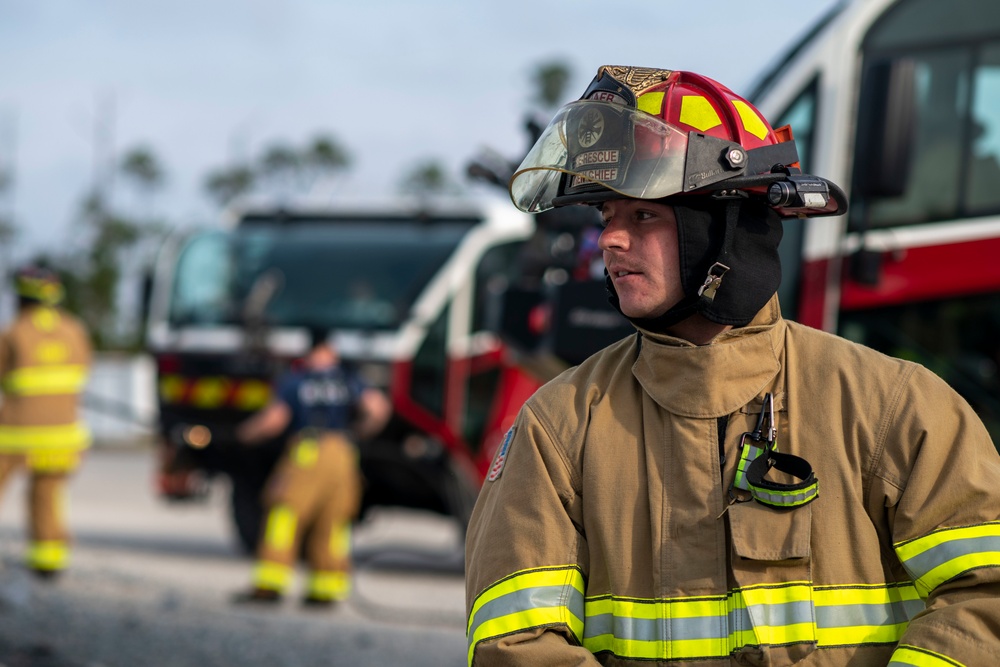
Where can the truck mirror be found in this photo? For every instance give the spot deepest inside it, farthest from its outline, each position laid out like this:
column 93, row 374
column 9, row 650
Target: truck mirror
column 887, row 122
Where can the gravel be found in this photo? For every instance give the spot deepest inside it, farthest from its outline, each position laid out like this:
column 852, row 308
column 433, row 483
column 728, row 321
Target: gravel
column 99, row 618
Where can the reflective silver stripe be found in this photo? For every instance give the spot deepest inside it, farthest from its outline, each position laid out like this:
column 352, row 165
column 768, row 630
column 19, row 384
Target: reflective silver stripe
column 784, row 498
column 701, row 627
column 654, row 629
column 852, row 615
column 918, row 566
column 663, row 628
column 527, row 599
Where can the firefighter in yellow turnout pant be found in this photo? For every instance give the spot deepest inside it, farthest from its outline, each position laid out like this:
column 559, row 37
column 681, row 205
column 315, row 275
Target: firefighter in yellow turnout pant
column 316, row 487
column 44, row 360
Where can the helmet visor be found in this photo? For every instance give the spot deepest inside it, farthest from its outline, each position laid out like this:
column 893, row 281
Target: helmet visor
column 591, row 148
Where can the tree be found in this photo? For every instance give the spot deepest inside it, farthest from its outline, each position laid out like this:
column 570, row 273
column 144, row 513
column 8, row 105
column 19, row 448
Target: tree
column 118, row 246
column 550, row 81
column 8, row 229
column 228, row 183
column 428, row 178
column 281, row 169
column 141, row 166
column 92, row 276
column 324, row 158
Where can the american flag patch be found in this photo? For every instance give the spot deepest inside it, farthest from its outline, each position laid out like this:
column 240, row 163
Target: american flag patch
column 500, row 458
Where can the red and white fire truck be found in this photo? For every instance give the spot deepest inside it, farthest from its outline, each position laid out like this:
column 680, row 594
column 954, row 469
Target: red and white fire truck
column 899, row 102
column 415, row 293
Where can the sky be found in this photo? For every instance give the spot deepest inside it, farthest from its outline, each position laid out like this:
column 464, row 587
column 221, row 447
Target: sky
column 206, row 83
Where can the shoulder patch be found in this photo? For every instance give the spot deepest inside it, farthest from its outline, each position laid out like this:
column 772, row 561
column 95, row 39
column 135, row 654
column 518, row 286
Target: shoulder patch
column 500, row 458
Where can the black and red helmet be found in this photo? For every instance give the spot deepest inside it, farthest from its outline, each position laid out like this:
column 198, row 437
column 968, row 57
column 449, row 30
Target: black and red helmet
column 649, row 133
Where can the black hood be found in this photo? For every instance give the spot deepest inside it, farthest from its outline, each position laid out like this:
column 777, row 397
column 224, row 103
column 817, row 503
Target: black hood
column 740, row 235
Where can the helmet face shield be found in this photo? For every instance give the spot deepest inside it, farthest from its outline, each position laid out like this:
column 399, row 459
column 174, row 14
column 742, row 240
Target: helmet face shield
column 595, row 147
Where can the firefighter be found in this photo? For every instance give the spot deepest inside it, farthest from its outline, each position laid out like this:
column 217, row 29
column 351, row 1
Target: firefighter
column 315, row 489
column 724, row 487
column 45, row 356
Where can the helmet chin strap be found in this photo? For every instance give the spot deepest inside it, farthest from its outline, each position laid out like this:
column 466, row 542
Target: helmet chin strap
column 695, row 301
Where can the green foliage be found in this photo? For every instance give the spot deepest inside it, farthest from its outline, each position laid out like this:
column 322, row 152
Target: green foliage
column 226, row 184
column 281, row 169
column 117, row 243
column 141, row 166
column 428, row 178
column 550, row 81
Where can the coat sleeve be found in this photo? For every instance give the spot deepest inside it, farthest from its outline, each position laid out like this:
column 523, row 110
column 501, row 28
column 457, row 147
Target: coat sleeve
column 526, row 563
column 939, row 480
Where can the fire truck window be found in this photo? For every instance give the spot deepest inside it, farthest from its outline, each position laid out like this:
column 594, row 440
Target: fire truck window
column 955, row 162
column 343, row 275
column 955, row 338
column 933, row 188
column 201, row 293
column 983, row 194
column 801, row 116
column 430, row 366
column 497, row 269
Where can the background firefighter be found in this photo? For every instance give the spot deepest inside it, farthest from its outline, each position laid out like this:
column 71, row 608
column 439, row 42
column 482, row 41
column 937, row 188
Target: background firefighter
column 726, row 487
column 45, row 357
column 315, row 490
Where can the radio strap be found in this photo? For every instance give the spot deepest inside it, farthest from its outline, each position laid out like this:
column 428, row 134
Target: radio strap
column 758, row 454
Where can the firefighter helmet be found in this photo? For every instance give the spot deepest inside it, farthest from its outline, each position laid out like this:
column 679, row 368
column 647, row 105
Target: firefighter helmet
column 649, row 133
column 38, row 284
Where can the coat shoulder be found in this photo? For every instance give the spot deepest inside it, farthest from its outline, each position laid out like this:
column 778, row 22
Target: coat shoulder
column 564, row 403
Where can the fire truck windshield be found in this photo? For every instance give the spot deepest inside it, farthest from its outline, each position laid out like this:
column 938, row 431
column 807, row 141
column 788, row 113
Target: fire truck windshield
column 337, row 276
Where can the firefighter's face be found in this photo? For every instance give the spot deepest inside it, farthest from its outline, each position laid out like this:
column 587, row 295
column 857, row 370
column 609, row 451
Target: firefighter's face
column 640, row 248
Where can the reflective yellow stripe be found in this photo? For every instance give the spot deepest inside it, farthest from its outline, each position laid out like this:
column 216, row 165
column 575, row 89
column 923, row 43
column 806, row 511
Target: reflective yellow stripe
column 698, row 112
column 281, row 524
column 701, row 627
column 948, row 553
column 49, row 555
column 53, row 460
column 329, row 585
column 748, row 454
column 306, row 453
column 751, row 121
column 864, row 614
column 913, row 656
column 272, row 576
column 651, row 103
column 528, row 599
column 696, row 627
column 23, row 438
column 45, row 380
column 45, row 319
column 340, row 541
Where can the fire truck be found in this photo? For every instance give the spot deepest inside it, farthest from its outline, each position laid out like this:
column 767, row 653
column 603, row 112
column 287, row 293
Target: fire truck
column 899, row 101
column 416, row 293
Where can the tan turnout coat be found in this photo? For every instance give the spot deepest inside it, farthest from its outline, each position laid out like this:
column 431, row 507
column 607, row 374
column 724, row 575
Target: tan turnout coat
column 606, row 538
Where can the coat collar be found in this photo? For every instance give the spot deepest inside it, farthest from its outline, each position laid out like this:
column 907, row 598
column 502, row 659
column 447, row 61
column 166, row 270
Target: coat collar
column 716, row 379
